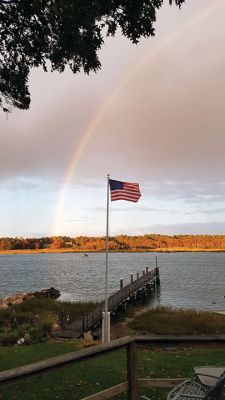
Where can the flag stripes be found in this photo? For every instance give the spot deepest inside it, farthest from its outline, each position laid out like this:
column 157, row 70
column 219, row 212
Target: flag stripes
column 124, row 191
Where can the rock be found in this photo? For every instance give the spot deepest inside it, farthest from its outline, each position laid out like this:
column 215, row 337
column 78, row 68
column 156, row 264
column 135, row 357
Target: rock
column 3, row 304
column 16, row 299
column 88, row 336
column 19, row 298
column 56, row 327
column 51, row 293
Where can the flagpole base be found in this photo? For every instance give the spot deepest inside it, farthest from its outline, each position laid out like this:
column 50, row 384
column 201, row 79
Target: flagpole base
column 105, row 328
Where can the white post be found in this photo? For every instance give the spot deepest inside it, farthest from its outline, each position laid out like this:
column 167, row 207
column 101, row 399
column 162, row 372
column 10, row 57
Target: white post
column 106, row 325
column 103, row 327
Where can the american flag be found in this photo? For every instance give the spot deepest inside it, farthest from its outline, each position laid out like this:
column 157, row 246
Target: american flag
column 124, row 191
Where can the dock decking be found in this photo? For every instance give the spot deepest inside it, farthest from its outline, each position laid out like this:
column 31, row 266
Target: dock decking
column 142, row 286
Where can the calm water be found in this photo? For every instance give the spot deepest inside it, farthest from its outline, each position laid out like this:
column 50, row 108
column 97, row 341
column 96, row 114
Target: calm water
column 187, row 279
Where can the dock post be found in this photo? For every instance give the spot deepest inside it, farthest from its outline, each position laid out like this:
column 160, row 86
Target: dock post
column 143, row 272
column 121, row 283
column 137, row 275
column 146, row 270
column 157, row 272
column 131, row 277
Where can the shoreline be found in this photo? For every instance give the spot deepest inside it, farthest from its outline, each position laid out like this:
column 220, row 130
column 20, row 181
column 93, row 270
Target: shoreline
column 71, row 250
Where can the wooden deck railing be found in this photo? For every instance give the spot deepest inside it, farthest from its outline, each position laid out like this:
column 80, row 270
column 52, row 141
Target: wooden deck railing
column 132, row 384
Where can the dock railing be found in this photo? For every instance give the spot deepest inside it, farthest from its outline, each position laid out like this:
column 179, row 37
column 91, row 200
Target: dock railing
column 75, row 328
column 132, row 384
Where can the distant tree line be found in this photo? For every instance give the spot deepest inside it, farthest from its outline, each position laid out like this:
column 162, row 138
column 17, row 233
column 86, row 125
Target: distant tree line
column 120, row 242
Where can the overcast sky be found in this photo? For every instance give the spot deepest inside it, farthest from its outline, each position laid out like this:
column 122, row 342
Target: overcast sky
column 154, row 114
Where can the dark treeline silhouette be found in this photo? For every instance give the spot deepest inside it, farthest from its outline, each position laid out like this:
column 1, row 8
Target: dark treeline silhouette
column 118, row 243
column 57, row 34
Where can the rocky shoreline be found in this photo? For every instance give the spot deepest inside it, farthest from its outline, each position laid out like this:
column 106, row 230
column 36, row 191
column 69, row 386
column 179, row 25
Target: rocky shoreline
column 19, row 298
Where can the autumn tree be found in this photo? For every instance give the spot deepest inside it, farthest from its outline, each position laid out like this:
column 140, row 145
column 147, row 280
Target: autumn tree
column 54, row 34
column 57, row 242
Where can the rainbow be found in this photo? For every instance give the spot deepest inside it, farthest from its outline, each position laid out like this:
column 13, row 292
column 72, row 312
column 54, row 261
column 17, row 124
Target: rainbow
column 107, row 103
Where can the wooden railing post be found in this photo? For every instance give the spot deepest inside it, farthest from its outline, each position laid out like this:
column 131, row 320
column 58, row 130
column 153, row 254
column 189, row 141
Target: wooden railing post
column 61, row 320
column 157, row 276
column 132, row 371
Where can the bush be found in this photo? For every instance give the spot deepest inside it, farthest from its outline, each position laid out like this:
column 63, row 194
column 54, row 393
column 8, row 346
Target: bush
column 23, row 317
column 10, row 338
column 5, row 315
column 23, row 330
column 46, row 326
column 37, row 316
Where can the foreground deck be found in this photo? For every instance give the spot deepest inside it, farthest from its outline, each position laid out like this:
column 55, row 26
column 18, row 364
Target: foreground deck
column 133, row 384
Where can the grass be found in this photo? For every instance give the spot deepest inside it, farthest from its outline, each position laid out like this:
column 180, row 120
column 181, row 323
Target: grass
column 26, row 311
column 92, row 376
column 169, row 321
column 46, row 306
column 16, row 356
column 37, row 317
column 85, row 378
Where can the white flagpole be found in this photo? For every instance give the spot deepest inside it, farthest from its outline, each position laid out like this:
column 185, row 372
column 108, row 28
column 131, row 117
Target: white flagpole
column 106, row 324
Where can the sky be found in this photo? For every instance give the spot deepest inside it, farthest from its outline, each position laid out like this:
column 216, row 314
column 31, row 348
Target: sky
column 154, row 114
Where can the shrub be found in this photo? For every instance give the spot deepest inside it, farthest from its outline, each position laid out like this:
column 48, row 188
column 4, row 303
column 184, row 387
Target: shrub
column 23, row 329
column 23, row 317
column 46, row 326
column 37, row 316
column 36, row 335
column 5, row 315
column 10, row 338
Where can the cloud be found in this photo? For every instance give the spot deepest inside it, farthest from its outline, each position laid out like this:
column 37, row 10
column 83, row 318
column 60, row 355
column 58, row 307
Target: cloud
column 155, row 115
column 73, row 220
column 209, row 228
column 213, row 211
column 152, row 209
column 166, row 122
column 196, row 192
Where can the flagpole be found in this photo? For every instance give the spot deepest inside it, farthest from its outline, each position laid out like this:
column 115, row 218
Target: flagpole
column 106, row 265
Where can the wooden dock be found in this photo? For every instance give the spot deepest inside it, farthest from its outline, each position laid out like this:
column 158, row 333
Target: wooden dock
column 141, row 287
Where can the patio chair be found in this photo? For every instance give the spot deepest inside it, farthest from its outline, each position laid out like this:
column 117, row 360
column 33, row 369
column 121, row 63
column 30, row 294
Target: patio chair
column 206, row 384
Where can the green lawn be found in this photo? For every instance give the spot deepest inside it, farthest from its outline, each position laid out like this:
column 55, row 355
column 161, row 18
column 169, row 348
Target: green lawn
column 16, row 356
column 88, row 377
column 84, row 378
